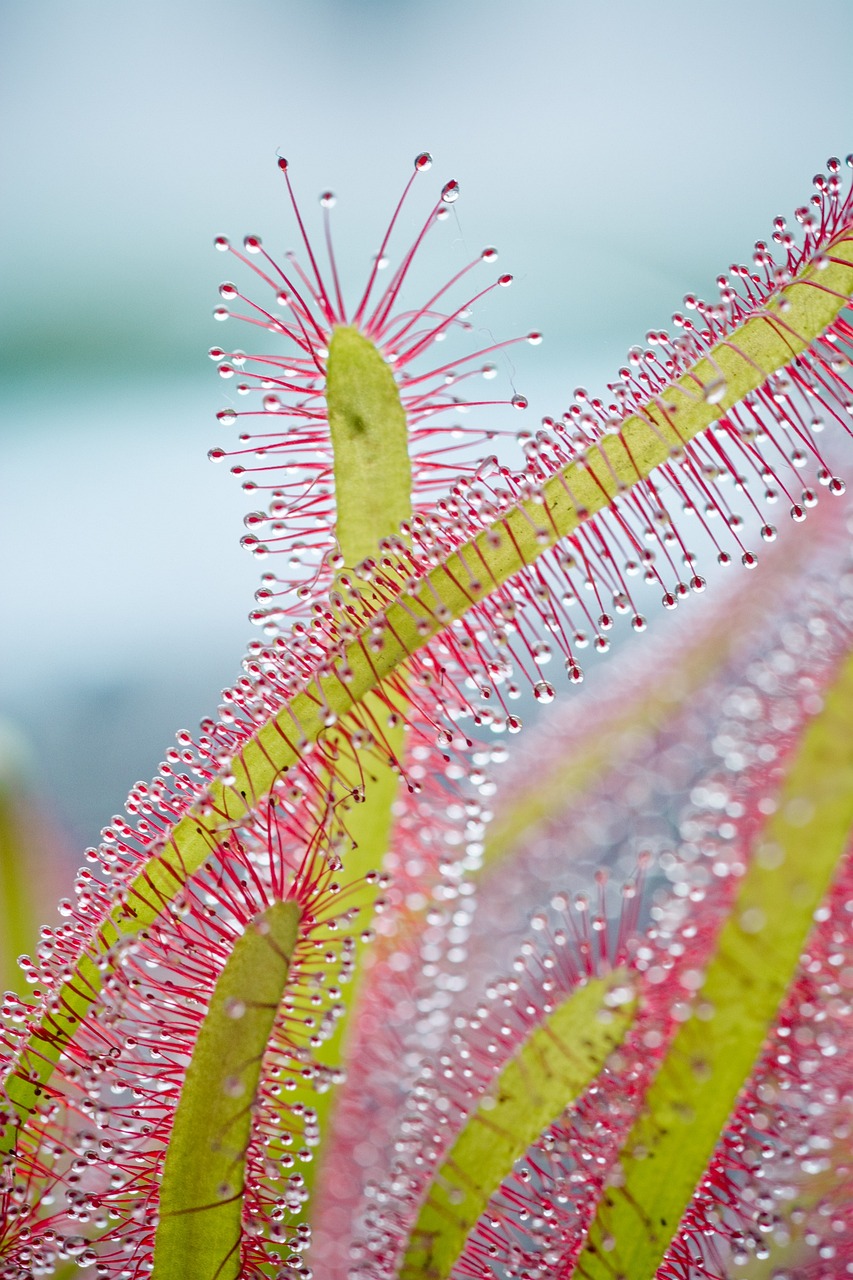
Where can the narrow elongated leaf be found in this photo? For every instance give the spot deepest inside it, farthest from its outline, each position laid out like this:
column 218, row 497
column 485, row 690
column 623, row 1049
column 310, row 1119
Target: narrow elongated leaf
column 449, row 579
column 201, row 1195
column 756, row 958
column 560, row 1058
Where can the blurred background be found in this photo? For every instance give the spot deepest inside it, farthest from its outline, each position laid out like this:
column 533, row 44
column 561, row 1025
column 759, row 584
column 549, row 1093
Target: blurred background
column 619, row 155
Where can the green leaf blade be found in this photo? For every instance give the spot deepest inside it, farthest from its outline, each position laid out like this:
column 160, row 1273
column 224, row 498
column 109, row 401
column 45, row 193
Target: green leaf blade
column 201, row 1193
column 758, row 348
column 367, row 422
column 559, row 1059
column 714, row 1052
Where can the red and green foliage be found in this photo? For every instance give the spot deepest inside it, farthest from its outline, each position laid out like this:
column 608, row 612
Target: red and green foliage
column 356, row 990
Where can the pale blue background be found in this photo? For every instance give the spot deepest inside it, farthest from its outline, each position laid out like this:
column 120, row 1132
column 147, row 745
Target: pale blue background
column 618, row 154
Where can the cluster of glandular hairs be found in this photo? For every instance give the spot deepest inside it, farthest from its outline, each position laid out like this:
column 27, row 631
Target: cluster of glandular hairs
column 417, row 968
column 91, row 1159
column 111, row 1107
column 569, row 599
column 781, row 1178
column 566, row 601
column 27, row 1237
column 657, row 746
column 652, row 732
column 759, row 717
column 763, row 451
column 287, row 456
column 797, row 1107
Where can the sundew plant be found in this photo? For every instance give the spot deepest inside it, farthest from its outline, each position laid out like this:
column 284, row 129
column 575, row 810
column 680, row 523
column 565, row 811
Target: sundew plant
column 371, row 983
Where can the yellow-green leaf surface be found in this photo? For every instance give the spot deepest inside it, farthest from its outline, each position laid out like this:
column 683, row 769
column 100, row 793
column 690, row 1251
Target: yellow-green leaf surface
column 744, row 360
column 201, row 1193
column 557, row 1061
column 367, row 423
column 712, row 1056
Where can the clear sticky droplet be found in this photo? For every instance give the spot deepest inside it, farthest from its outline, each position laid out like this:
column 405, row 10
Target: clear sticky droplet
column 423, row 162
column 513, row 724
column 543, row 691
column 252, row 244
column 328, row 200
column 450, row 192
column 714, row 391
column 222, row 243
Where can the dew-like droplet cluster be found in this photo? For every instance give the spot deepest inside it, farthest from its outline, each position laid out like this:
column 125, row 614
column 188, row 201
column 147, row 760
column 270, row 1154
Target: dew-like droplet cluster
column 286, row 459
column 647, row 735
column 110, row 1107
column 652, row 530
column 112, row 1102
column 633, row 539
column 418, row 966
column 780, row 1178
column 499, row 583
column 537, row 1220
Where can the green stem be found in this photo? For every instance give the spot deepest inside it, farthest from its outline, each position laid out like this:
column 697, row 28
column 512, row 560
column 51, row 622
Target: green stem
column 761, row 347
column 201, row 1193
column 557, row 1061
column 713, row 1054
